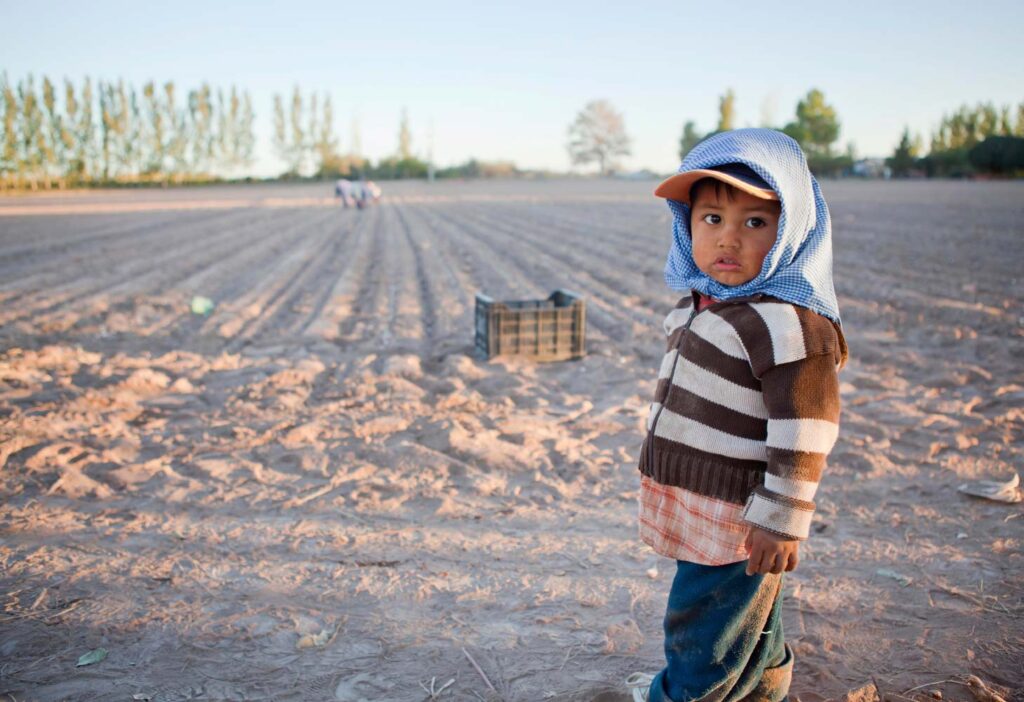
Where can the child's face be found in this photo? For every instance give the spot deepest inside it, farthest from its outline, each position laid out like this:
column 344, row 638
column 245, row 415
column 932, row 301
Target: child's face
column 732, row 235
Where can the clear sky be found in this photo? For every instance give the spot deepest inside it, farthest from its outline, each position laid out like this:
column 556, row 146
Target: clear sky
column 504, row 80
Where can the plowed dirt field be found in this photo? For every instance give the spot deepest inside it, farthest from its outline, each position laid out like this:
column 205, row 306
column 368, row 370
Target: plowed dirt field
column 318, row 491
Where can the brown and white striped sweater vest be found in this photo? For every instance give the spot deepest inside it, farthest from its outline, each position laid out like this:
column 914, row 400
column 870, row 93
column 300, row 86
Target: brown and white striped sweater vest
column 746, row 408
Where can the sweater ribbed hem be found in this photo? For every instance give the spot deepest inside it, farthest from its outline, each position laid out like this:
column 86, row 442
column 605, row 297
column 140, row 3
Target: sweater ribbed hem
column 732, row 480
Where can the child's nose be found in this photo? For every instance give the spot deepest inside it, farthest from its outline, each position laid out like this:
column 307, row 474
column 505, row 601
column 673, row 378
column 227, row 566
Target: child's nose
column 730, row 237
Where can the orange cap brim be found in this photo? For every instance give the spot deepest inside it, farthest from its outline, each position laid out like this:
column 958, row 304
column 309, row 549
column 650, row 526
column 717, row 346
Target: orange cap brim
column 677, row 187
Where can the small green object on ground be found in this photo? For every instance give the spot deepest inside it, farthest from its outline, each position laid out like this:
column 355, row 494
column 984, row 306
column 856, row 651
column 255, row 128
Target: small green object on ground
column 94, row 656
column 202, row 305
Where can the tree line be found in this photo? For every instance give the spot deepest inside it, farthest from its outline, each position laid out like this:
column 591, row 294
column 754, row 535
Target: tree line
column 598, row 134
column 815, row 126
column 983, row 139
column 115, row 133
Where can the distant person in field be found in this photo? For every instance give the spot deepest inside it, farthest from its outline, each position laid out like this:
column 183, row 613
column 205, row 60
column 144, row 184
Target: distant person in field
column 367, row 193
column 343, row 190
column 374, row 191
column 745, row 412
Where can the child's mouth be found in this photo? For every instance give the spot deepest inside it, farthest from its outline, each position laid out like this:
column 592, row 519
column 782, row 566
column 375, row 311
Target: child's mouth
column 727, row 264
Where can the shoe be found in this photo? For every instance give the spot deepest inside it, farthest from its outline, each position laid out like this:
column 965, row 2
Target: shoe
column 640, row 684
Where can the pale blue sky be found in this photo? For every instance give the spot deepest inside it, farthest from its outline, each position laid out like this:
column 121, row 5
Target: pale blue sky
column 504, row 82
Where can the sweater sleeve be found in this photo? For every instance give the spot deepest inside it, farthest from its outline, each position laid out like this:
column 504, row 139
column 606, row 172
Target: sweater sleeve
column 802, row 398
column 800, row 384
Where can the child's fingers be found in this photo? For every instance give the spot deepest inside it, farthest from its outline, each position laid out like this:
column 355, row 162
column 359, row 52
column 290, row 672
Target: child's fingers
column 778, row 563
column 758, row 561
column 794, row 559
column 754, row 562
column 748, row 544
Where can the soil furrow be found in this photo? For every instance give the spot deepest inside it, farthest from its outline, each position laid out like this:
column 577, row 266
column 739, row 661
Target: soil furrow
column 141, row 267
column 303, row 262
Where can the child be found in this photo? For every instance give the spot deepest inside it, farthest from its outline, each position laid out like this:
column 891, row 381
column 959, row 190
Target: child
column 745, row 413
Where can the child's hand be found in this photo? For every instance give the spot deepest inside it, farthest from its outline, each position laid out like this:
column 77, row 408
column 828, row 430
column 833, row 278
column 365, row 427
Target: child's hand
column 770, row 553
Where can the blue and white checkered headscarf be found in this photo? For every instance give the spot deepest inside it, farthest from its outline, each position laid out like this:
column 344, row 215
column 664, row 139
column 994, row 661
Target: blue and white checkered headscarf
column 798, row 268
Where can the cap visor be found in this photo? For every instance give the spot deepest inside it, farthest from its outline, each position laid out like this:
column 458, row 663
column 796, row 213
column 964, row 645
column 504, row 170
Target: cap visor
column 677, row 187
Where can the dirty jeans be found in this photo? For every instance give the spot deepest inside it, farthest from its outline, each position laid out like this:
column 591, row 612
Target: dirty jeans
column 723, row 637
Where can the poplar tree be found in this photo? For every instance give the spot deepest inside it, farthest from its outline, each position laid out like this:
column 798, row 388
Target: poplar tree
column 355, row 147
column 404, row 137
column 68, row 141
column 85, row 133
column 326, row 144
column 200, row 127
column 816, row 126
column 297, row 145
column 309, row 147
column 280, row 130
column 222, row 138
column 177, row 131
column 690, row 138
column 51, row 143
column 128, row 132
column 9, row 141
column 107, row 125
column 246, row 136
column 726, row 111
column 31, row 148
column 156, row 131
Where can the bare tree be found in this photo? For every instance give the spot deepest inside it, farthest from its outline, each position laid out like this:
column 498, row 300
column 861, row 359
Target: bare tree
column 598, row 134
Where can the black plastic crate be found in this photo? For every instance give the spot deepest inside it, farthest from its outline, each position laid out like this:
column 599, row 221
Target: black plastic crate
column 546, row 330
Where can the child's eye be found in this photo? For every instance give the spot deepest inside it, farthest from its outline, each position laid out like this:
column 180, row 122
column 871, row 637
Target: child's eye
column 712, row 218
column 755, row 222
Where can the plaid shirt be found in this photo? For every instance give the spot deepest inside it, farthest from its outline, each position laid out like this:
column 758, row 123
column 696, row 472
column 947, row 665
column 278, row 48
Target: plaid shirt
column 689, row 527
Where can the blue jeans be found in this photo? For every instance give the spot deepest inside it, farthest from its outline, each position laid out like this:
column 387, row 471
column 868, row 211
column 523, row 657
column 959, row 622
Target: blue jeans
column 723, row 637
